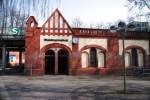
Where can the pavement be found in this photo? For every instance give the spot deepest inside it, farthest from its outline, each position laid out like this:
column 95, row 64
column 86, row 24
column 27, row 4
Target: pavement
column 59, row 87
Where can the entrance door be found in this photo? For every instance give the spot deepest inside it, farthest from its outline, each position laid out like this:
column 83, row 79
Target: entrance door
column 50, row 62
column 63, row 62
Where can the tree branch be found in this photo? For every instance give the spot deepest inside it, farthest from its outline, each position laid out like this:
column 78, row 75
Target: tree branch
column 148, row 6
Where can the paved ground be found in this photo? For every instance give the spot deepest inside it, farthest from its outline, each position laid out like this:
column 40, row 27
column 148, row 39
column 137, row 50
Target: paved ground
column 73, row 88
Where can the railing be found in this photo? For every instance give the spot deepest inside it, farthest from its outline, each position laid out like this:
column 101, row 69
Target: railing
column 145, row 71
column 141, row 71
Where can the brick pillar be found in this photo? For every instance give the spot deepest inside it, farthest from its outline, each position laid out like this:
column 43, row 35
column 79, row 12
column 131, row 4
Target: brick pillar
column 56, row 63
column 56, row 60
column 75, row 60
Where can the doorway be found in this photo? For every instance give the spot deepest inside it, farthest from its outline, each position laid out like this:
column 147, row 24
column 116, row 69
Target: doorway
column 50, row 62
column 63, row 62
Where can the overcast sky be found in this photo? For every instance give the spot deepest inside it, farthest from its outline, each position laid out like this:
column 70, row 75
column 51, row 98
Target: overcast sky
column 92, row 11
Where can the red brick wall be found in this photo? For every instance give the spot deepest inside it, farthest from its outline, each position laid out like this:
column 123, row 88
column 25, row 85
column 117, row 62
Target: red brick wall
column 113, row 61
column 32, row 48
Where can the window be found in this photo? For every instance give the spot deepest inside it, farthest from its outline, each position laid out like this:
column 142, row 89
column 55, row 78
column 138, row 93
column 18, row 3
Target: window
column 140, row 58
column 93, row 57
column 85, row 60
column 101, row 59
column 127, row 59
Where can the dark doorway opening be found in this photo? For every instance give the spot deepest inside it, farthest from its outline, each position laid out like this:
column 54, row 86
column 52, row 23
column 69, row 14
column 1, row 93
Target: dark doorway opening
column 93, row 57
column 63, row 62
column 134, row 57
column 50, row 62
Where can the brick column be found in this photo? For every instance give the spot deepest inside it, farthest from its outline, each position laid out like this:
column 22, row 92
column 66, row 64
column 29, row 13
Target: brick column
column 56, row 60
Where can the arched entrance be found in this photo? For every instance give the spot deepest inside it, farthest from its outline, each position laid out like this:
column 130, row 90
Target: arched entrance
column 57, row 61
column 63, row 62
column 60, row 58
column 50, row 62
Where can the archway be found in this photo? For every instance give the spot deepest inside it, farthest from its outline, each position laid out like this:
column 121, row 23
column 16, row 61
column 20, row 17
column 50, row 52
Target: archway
column 50, row 62
column 63, row 62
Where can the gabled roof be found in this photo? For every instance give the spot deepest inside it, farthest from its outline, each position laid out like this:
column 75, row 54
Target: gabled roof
column 31, row 19
column 56, row 24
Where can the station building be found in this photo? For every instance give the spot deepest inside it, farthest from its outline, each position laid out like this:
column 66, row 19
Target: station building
column 58, row 49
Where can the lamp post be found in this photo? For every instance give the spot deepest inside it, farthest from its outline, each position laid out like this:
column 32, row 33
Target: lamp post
column 122, row 30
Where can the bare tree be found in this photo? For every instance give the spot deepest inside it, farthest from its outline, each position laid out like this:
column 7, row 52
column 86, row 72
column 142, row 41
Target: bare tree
column 138, row 9
column 13, row 13
column 77, row 23
column 140, row 3
column 99, row 25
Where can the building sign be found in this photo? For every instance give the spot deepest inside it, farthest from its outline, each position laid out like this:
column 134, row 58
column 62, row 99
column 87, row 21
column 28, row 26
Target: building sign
column 63, row 40
column 14, row 31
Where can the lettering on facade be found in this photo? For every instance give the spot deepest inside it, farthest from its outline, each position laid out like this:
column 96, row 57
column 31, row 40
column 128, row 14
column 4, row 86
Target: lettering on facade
column 63, row 40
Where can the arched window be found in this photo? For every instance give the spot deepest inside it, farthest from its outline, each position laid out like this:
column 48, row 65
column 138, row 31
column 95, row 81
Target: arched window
column 85, row 60
column 93, row 57
column 135, row 57
column 140, row 58
column 127, row 59
column 101, row 59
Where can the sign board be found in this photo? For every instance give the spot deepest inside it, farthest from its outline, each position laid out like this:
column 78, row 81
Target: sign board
column 14, row 31
column 62, row 40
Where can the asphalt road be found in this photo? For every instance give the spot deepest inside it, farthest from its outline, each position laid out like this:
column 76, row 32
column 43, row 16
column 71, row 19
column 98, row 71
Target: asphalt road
column 73, row 88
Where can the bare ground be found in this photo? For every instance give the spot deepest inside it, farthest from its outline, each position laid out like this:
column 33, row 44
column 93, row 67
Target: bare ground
column 73, row 88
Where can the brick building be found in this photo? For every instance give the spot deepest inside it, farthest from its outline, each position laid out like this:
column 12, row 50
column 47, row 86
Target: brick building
column 56, row 48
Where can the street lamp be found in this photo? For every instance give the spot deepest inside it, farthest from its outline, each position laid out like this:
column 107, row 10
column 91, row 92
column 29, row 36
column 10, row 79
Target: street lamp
column 122, row 30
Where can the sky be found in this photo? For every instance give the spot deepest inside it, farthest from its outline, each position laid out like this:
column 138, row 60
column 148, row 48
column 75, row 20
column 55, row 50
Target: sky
column 92, row 11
